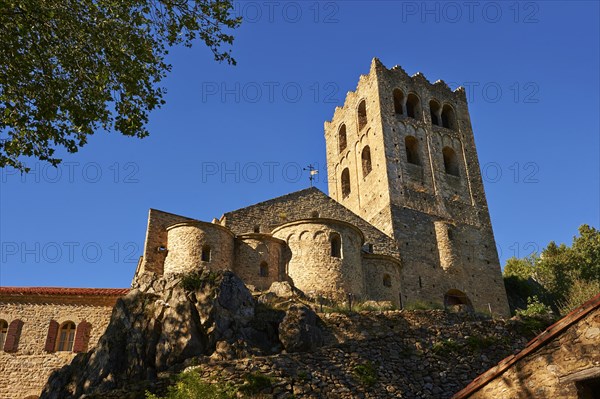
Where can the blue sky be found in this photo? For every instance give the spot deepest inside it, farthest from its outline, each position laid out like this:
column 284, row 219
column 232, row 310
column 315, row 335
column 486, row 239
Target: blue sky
column 232, row 136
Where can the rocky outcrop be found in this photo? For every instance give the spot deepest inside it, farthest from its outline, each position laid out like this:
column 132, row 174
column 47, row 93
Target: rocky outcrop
column 160, row 324
column 298, row 332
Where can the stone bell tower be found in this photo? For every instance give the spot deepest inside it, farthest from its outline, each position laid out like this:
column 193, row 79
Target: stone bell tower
column 401, row 154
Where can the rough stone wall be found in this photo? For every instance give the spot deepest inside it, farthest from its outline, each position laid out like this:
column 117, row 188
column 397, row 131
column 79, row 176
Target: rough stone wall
column 554, row 370
column 415, row 196
column 301, row 205
column 313, row 269
column 251, row 250
column 156, row 236
column 185, row 242
column 24, row 372
column 369, row 193
column 375, row 267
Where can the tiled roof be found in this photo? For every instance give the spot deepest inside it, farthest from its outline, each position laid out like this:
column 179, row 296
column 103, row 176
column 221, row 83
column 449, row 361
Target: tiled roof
column 545, row 337
column 22, row 291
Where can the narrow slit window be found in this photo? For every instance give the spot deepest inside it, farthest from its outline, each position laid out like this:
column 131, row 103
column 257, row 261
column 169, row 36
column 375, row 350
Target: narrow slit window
column 362, row 114
column 263, row 269
column 434, row 110
column 412, row 150
column 450, row 161
column 366, row 161
column 398, row 102
column 342, row 140
column 206, row 253
column 336, row 246
column 413, row 108
column 345, row 183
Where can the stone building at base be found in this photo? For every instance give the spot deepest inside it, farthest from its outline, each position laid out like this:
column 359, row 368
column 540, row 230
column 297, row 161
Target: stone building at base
column 561, row 362
column 42, row 329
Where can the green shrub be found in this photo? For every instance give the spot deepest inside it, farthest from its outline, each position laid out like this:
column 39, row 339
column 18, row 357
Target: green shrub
column 194, row 281
column 445, row 346
column 366, row 374
column 189, row 386
column 535, row 308
column 255, row 383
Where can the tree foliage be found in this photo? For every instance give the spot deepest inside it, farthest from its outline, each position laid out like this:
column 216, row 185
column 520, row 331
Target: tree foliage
column 562, row 277
column 71, row 67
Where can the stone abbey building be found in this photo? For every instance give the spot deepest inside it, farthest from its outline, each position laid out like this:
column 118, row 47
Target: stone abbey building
column 406, row 221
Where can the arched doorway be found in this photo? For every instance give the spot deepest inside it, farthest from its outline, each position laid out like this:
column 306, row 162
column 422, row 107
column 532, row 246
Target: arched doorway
column 457, row 299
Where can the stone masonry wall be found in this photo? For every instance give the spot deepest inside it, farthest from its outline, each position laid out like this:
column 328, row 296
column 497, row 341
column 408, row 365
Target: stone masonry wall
column 300, row 205
column 313, row 269
column 185, row 242
column 375, row 267
column 24, row 372
column 251, row 250
column 554, row 370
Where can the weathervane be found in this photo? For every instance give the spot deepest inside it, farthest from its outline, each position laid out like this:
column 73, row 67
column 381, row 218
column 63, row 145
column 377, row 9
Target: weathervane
column 312, row 173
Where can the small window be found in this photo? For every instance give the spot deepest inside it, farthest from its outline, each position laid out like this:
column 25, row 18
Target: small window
column 314, row 214
column 345, row 183
column 362, row 114
column 256, row 229
column 336, row 246
column 342, row 141
column 263, row 269
column 413, row 108
column 450, row 161
column 398, row 101
column 448, row 119
column 412, row 150
column 366, row 161
column 66, row 336
column 206, row 253
column 387, row 280
column 434, row 110
column 3, row 331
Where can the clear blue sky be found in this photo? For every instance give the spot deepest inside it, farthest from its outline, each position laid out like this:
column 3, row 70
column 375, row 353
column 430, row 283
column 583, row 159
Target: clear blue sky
column 531, row 70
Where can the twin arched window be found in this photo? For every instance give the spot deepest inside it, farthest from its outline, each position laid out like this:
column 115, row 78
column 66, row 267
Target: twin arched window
column 68, row 337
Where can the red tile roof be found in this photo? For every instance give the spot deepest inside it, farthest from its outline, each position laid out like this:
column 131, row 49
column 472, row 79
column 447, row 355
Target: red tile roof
column 23, row 291
column 545, row 337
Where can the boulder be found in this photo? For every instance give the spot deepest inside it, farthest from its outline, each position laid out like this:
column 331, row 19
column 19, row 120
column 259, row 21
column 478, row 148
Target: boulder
column 298, row 331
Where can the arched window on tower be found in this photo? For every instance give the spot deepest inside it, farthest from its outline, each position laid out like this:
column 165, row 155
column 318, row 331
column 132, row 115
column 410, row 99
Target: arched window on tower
column 412, row 150
column 362, row 114
column 3, row 331
column 366, row 161
column 398, row 102
column 205, row 253
column 450, row 161
column 413, row 107
column 434, row 110
column 345, row 183
column 342, row 141
column 448, row 118
column 336, row 245
column 387, row 280
column 66, row 337
column 263, row 269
